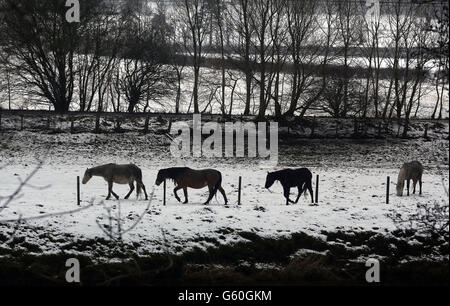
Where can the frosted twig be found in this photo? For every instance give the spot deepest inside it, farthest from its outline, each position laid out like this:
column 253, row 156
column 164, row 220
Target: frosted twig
column 22, row 183
column 68, row 212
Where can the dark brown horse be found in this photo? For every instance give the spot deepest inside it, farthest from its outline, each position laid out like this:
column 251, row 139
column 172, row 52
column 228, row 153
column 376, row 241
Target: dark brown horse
column 119, row 174
column 186, row 177
column 300, row 178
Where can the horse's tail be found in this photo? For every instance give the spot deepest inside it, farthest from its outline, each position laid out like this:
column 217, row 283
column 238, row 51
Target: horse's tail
column 138, row 181
column 138, row 189
column 216, row 187
column 305, row 187
column 308, row 184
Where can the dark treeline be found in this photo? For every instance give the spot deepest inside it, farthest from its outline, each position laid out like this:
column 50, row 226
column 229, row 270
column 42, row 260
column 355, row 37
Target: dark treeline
column 276, row 57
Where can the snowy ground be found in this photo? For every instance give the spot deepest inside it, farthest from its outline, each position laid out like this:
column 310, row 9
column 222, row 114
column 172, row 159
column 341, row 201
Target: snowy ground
column 351, row 198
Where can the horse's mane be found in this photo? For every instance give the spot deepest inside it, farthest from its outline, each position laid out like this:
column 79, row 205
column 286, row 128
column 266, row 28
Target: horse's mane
column 174, row 173
column 99, row 168
column 277, row 174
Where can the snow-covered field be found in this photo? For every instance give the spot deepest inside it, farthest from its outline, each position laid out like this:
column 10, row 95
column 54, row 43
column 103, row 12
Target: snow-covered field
column 351, row 197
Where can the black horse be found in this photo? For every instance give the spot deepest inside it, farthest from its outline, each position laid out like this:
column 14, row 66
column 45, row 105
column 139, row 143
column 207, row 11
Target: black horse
column 300, row 178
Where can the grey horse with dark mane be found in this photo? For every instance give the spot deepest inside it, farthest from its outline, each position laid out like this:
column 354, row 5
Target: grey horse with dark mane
column 119, row 174
column 186, row 177
column 409, row 171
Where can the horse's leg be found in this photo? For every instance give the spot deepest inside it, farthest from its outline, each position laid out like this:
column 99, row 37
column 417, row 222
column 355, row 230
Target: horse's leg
column 109, row 191
column 131, row 190
column 210, row 188
column 300, row 191
column 414, row 186
column 185, row 195
column 175, row 193
column 407, row 187
column 420, row 186
column 223, row 194
column 287, row 191
column 309, row 186
column 110, row 185
column 145, row 191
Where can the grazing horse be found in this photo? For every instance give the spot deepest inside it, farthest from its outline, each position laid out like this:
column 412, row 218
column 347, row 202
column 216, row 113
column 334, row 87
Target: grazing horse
column 119, row 174
column 185, row 177
column 409, row 171
column 300, row 178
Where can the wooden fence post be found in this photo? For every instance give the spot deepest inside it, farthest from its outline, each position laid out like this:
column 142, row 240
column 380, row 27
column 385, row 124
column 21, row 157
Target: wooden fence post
column 425, row 134
column 239, row 190
column 337, row 129
column 97, row 123
column 170, row 125
column 164, row 193
column 366, row 126
column 313, row 126
column 78, row 191
column 147, row 120
column 72, row 130
column 317, row 189
column 388, row 183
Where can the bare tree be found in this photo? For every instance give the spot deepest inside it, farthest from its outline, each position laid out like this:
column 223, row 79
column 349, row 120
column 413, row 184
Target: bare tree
column 41, row 47
column 96, row 57
column 333, row 97
column 7, row 84
column 171, row 30
column 373, row 55
column 278, row 57
column 240, row 19
column 144, row 74
column 348, row 22
column 309, row 39
column 194, row 14
column 400, row 27
column 219, row 10
column 419, row 58
column 438, row 28
column 261, row 16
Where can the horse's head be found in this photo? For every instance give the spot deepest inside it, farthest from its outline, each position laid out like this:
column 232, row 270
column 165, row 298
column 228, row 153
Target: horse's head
column 161, row 177
column 401, row 181
column 87, row 176
column 270, row 179
column 400, row 186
